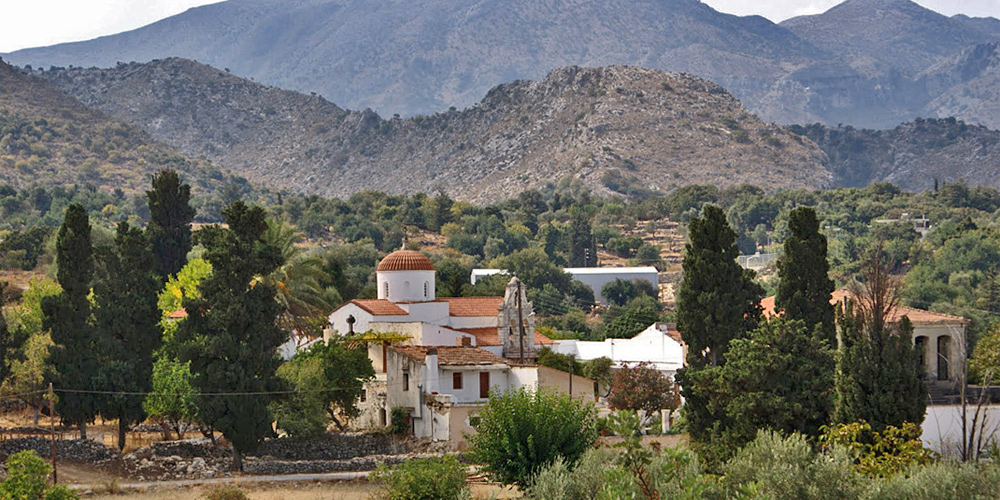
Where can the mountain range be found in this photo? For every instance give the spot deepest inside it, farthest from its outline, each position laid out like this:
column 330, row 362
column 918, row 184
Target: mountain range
column 616, row 129
column 867, row 63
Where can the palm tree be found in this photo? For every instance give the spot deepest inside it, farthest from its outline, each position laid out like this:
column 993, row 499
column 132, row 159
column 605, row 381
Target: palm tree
column 298, row 282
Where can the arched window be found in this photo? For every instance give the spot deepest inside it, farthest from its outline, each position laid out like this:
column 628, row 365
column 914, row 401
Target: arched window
column 425, row 289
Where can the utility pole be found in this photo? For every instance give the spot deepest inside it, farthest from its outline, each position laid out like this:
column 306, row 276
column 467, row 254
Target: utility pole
column 572, row 359
column 520, row 324
column 52, row 433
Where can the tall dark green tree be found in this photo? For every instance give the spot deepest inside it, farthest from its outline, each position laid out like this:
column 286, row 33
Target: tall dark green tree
column 230, row 335
column 170, row 216
column 580, row 239
column 127, row 326
column 878, row 376
column 68, row 316
column 805, row 286
column 717, row 300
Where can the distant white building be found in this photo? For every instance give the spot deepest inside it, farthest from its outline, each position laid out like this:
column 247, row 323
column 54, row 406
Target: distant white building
column 659, row 345
column 594, row 277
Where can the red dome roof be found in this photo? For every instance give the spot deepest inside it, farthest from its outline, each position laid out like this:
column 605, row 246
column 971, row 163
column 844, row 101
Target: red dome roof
column 405, row 260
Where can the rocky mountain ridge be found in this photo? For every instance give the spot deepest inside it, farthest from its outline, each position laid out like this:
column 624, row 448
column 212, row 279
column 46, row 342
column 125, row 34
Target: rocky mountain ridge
column 618, row 129
column 861, row 63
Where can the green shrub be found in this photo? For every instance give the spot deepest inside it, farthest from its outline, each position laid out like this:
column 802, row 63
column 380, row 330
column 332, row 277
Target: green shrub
column 787, row 467
column 224, row 492
column 26, row 479
column 558, row 481
column 880, row 454
column 940, row 481
column 522, row 431
column 399, row 420
column 423, row 479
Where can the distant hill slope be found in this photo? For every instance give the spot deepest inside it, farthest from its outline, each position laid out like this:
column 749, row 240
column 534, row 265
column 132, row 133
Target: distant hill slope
column 50, row 138
column 617, row 129
column 912, row 155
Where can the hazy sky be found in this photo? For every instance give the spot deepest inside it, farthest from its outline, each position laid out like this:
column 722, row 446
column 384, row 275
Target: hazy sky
column 35, row 23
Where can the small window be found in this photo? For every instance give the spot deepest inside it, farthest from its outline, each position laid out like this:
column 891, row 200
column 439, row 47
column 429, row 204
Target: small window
column 406, row 381
column 425, row 289
column 364, row 395
column 456, row 380
column 385, row 289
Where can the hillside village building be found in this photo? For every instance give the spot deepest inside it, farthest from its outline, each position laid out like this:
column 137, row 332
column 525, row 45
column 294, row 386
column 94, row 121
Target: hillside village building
column 660, row 346
column 439, row 357
column 940, row 338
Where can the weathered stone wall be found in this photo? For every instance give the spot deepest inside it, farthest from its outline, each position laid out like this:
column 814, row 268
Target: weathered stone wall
column 73, row 450
column 332, row 447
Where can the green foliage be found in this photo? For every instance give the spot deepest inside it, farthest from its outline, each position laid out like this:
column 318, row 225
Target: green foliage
column 942, row 480
column 880, row 454
column 173, row 396
column 423, row 479
column 717, row 301
column 68, row 318
column 787, row 468
column 27, row 474
column 521, row 431
column 170, row 216
column 127, row 326
column 399, row 420
column 985, row 363
column 805, row 286
column 780, row 378
column 230, row 335
column 330, row 377
column 642, row 387
column 22, row 249
column 636, row 316
column 619, row 291
column 183, row 285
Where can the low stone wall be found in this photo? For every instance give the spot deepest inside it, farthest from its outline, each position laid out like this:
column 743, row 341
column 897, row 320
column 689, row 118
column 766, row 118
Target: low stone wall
column 73, row 450
column 332, row 447
column 271, row 467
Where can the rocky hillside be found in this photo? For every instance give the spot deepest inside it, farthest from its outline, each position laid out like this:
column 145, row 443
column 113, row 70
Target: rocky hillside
column 50, row 138
column 617, row 129
column 912, row 155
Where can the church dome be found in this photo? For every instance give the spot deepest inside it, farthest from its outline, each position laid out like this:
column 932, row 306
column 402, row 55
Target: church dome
column 405, row 260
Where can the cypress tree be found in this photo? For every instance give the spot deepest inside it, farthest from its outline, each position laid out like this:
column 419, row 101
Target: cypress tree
column 170, row 216
column 68, row 317
column 230, row 335
column 580, row 239
column 805, row 286
column 878, row 376
column 717, row 302
column 127, row 324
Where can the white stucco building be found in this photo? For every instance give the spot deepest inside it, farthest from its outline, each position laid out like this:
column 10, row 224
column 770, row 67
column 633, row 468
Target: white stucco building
column 439, row 357
column 659, row 345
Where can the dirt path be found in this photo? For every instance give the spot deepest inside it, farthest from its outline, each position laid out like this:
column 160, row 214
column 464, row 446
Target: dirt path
column 330, row 476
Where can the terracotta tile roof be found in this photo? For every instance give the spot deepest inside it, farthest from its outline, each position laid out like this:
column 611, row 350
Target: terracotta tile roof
column 378, row 307
column 405, row 260
column 472, row 306
column 916, row 316
column 452, row 355
column 490, row 337
column 178, row 314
